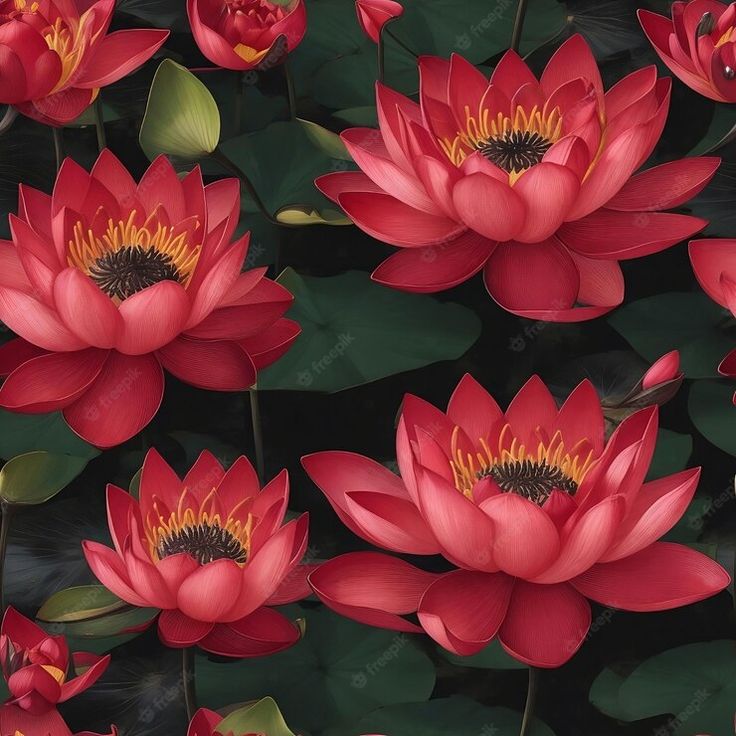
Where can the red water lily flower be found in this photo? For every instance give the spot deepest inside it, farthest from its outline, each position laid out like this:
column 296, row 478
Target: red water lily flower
column 698, row 44
column 374, row 14
column 15, row 721
column 529, row 180
column 211, row 552
column 535, row 510
column 56, row 54
column 108, row 282
column 714, row 263
column 35, row 666
column 247, row 34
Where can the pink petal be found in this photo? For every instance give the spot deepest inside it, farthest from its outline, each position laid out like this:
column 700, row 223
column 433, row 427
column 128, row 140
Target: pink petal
column 209, row 593
column 473, row 408
column 581, row 417
column 572, row 60
column 503, row 220
column 109, row 569
column 711, row 259
column 177, row 630
column 664, row 369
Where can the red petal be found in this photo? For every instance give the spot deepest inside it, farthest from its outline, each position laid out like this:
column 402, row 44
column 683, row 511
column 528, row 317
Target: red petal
column 179, row 631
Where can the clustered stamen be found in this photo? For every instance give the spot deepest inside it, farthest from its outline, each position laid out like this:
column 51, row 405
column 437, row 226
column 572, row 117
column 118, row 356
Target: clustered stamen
column 531, row 479
column 516, row 150
column 205, row 542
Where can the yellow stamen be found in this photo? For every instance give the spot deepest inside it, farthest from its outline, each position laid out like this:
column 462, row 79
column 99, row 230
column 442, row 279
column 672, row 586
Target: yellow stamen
column 726, row 37
column 55, row 672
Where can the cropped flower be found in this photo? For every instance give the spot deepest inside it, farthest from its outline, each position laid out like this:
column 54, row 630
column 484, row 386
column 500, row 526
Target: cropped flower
column 529, row 180
column 247, row 34
column 374, row 14
column 108, row 282
column 210, row 551
column 57, row 55
column 15, row 721
column 534, row 509
column 35, row 666
column 698, row 44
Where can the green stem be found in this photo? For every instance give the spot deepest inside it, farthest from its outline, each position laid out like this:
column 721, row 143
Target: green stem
column 518, row 25
column 255, row 420
column 187, row 681
column 382, row 54
column 290, row 90
column 239, row 100
column 99, row 125
column 58, row 146
column 730, row 136
column 7, row 514
column 531, row 699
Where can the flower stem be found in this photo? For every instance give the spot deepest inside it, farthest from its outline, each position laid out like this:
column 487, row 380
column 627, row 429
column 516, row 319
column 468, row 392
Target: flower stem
column 99, row 125
column 187, row 681
column 7, row 514
column 725, row 140
column 382, row 53
column 239, row 100
column 255, row 420
column 518, row 25
column 290, row 90
column 531, row 699
column 58, row 146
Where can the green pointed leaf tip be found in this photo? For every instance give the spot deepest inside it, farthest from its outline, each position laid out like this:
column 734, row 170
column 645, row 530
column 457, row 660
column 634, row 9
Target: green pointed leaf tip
column 181, row 116
column 327, row 141
column 37, row 476
column 264, row 717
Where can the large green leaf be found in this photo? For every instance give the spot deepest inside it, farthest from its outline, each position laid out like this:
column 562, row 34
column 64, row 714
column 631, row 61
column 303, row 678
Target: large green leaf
column 711, row 408
column 355, row 331
column 493, row 657
column 690, row 322
column 37, row 476
column 337, row 673
column 181, row 117
column 670, row 454
column 264, row 717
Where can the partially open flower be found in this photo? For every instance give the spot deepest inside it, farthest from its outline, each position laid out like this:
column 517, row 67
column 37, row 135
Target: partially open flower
column 17, row 722
column 374, row 14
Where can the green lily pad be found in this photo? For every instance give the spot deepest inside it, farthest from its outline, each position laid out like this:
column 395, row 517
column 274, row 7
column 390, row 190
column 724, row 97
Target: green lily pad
column 689, row 322
column 37, row 476
column 262, row 717
column 337, row 673
column 724, row 118
column 693, row 686
column 493, row 657
column 181, row 117
column 711, row 408
column 328, row 142
column 355, row 331
column 670, row 454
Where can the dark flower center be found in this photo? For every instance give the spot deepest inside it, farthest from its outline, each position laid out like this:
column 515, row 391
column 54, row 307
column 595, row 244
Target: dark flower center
column 516, row 150
column 205, row 542
column 530, row 478
column 124, row 272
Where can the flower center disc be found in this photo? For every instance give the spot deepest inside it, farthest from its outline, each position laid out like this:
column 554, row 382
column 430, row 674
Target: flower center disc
column 517, row 150
column 205, row 542
column 531, row 479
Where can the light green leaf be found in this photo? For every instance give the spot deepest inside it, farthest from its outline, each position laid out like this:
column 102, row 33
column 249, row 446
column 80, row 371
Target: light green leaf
column 37, row 476
column 264, row 717
column 328, row 142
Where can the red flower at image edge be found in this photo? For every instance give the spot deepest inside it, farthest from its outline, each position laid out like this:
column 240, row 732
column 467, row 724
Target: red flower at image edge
column 247, row 34
column 533, row 507
column 374, row 14
column 17, row 722
column 529, row 180
column 108, row 282
column 698, row 45
column 211, row 552
column 56, row 55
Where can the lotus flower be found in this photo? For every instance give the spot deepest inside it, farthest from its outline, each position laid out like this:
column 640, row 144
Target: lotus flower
column 35, row 666
column 714, row 263
column 698, row 44
column 210, row 551
column 17, row 722
column 529, row 180
column 57, row 55
column 374, row 14
column 108, row 282
column 535, row 511
column 247, row 34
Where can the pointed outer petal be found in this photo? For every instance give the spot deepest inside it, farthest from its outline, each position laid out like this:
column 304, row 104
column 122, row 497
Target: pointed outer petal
column 178, row 630
column 548, row 191
column 666, row 186
column 525, row 540
column 418, row 413
column 391, row 523
column 270, row 345
column 435, row 267
column 372, row 16
column 264, row 572
column 123, row 400
column 240, row 482
column 11, row 268
column 85, row 310
column 35, row 322
column 532, row 407
column 333, row 185
column 581, row 418
column 110, row 570
column 369, row 153
column 160, row 186
column 203, row 476
column 616, row 164
column 294, row 587
column 36, row 685
column 392, row 221
column 34, row 207
column 372, row 588
column 472, row 195
column 210, row 593
column 466, row 533
column 434, row 74
column 389, row 106
column 623, row 235
column 22, row 630
column 522, row 277
column 405, row 458
column 15, row 353
column 570, row 152
column 77, row 685
column 601, row 285
column 473, row 408
column 35, row 253
column 70, row 188
column 656, row 509
column 222, row 203
column 585, row 541
column 217, row 365
column 630, row 90
column 466, row 87
column 663, row 369
column 120, row 506
column 111, row 173
column 549, row 640
column 727, row 366
column 431, row 456
column 438, row 178
column 462, row 610
column 243, row 286
column 204, row 722
column 710, row 259
column 218, row 281
column 118, row 54
column 158, row 480
column 147, row 582
column 511, row 73
column 659, row 577
column 52, row 381
column 265, row 631
column 175, row 569
column 572, row 60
